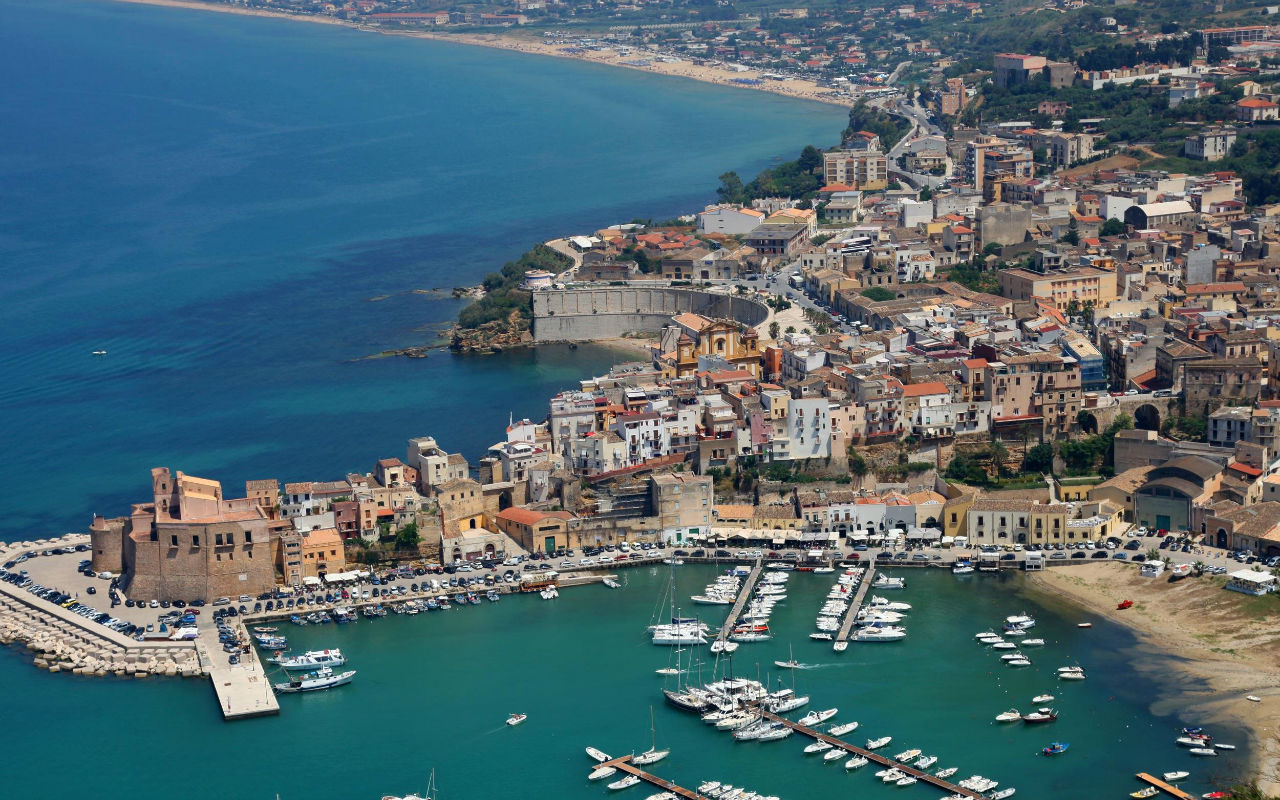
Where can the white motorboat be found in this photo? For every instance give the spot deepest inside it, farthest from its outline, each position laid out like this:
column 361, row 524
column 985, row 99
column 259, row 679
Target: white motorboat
column 991, row 639
column 834, row 754
column 1042, row 698
column 1011, row 656
column 883, row 581
column 840, row 647
column 611, row 583
column 1062, row 670
column 841, row 730
column 598, row 755
column 821, row 637
column 712, row 599
column 986, row 634
column 1002, row 645
column 663, row 796
column 1221, row 746
column 924, row 762
column 667, row 671
column 823, row 570
column 787, row 704
column 1033, row 642
column 887, row 633
column 904, row 781
column 977, row 783
column 675, row 562
column 311, row 659
column 946, row 773
column 516, row 719
column 601, row 773
column 1071, row 676
column 1204, row 752
column 1003, row 793
column 855, row 762
column 1173, row 777
column 708, row 787
column 907, row 755
column 961, row 569
column 1019, row 621
column 817, row 747
column 625, row 783
column 881, row 604
column 1191, row 741
column 891, row 775
column 1018, row 662
column 729, row 647
column 1012, row 715
column 1015, row 632
column 876, row 744
column 816, row 717
column 323, row 678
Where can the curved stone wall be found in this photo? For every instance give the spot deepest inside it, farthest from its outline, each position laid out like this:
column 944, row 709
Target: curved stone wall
column 576, row 315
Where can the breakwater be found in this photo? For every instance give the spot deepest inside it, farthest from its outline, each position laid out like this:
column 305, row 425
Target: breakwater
column 576, row 315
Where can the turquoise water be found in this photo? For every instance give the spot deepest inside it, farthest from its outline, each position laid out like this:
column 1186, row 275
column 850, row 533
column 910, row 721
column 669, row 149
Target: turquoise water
column 217, row 200
column 433, row 691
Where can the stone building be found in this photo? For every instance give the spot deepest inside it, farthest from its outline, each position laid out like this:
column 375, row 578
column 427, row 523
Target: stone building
column 189, row 543
column 1213, row 383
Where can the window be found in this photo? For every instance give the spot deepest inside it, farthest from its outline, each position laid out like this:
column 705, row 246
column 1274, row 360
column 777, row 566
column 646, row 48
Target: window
column 173, row 540
column 248, row 538
column 195, row 541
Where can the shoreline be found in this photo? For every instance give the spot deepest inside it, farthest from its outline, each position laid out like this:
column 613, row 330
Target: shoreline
column 793, row 88
column 1184, row 625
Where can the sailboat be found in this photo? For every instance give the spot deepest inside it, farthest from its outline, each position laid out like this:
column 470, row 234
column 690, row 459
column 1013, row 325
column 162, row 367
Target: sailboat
column 430, row 794
column 791, row 662
column 653, row 754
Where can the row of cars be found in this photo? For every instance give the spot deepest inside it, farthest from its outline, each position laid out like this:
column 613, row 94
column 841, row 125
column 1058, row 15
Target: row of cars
column 70, row 603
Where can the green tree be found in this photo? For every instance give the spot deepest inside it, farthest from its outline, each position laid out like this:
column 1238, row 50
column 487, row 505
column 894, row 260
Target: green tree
column 774, row 329
column 810, row 159
column 407, row 537
column 1112, row 227
column 731, row 188
column 857, row 464
column 1038, row 459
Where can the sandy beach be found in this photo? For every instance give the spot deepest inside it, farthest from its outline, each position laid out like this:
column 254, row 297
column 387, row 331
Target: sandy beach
column 791, row 87
column 1225, row 644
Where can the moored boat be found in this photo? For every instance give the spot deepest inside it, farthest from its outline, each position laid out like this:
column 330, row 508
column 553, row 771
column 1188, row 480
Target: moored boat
column 1012, row 715
column 1040, row 715
column 1055, row 748
column 601, row 773
column 876, row 744
column 323, row 678
column 1150, row 791
column 598, row 755
column 624, row 783
column 311, row 659
column 1174, row 777
column 815, row 717
column 1204, row 752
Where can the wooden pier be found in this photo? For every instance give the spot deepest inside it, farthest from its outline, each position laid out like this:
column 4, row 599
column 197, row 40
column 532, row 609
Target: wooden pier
column 743, row 597
column 871, row 755
column 851, row 616
column 623, row 764
column 1166, row 787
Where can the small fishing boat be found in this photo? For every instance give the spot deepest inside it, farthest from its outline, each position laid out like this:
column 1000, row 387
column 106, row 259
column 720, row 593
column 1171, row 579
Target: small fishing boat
column 265, row 629
column 1042, row 698
column 597, row 755
column 1003, row 793
column 323, row 678
column 1055, row 748
column 99, row 352
column 1203, row 752
column 821, row 637
column 817, row 747
column 876, row 744
column 611, row 583
column 1123, row 604
column 667, row 671
column 1253, row 698
column 1174, row 777
column 310, row 659
column 516, row 719
column 1192, row 741
column 947, row 773
column 1221, row 746
column 1150, row 791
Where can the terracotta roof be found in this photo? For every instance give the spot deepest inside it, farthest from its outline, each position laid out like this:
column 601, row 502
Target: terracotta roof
column 522, row 516
column 922, row 389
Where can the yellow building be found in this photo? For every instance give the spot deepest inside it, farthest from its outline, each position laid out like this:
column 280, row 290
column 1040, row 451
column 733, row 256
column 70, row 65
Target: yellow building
column 1082, row 284
column 322, row 553
column 730, row 340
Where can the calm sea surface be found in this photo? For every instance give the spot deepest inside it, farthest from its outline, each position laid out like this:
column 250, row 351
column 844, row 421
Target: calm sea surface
column 433, row 691
column 239, row 209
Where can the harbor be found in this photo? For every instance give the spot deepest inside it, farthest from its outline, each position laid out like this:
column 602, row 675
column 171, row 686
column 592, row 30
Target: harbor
column 851, row 616
column 744, row 596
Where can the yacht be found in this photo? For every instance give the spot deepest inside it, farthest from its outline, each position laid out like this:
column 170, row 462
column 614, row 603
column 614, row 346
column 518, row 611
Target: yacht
column 1002, row 645
column 653, row 755
column 887, row 633
column 883, row 581
column 882, row 604
column 962, row 569
column 712, row 599
column 790, row 663
column 516, row 719
column 1018, row 662
column 323, row 678
column 1012, row 715
column 679, row 635
column 876, row 744
column 1040, row 715
column 1042, row 698
column 310, row 659
column 774, row 734
column 855, row 762
column 1019, row 622
column 1033, row 642
column 783, row 705
column 924, row 762
column 906, row 780
column 822, row 637
column 946, row 773
column 1173, row 777
column 977, row 783
column 1007, row 792
column 817, row 747
column 907, row 755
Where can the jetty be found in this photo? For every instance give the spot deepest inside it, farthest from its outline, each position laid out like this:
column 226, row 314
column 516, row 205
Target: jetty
column 871, row 755
column 623, row 764
column 1165, row 787
column 744, row 595
column 244, row 689
column 851, row 616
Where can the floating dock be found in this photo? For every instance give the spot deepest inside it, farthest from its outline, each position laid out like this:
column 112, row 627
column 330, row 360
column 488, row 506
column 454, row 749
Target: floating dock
column 871, row 755
column 1165, row 787
column 623, row 764
column 851, row 616
column 748, row 586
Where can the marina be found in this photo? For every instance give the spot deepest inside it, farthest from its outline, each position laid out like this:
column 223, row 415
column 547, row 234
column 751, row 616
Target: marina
column 851, row 616
column 1167, row 788
column 744, row 596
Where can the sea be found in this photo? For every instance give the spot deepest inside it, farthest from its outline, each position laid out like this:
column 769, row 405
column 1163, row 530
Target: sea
column 432, row 692
column 241, row 210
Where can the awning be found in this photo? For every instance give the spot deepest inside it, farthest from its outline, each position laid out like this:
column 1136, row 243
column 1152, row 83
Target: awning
column 915, row 533
column 779, row 541
column 857, row 537
column 815, row 554
column 311, row 580
column 932, row 533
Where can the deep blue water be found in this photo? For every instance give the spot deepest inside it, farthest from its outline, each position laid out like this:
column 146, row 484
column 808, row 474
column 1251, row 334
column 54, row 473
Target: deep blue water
column 217, row 200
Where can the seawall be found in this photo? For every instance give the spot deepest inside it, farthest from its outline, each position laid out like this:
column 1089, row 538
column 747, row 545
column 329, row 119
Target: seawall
column 576, row 315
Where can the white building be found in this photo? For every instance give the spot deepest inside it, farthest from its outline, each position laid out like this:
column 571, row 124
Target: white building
column 728, row 219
